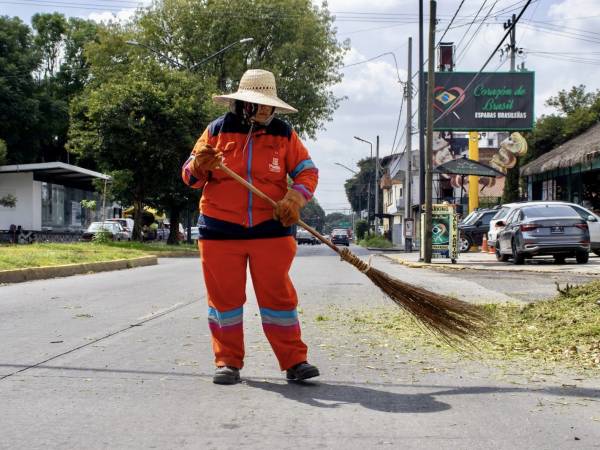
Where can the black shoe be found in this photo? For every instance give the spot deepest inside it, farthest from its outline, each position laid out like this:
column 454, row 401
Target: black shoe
column 302, row 371
column 226, row 375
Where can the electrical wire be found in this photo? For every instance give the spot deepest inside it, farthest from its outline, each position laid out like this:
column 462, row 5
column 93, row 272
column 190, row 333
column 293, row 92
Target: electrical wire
column 471, row 40
column 471, row 24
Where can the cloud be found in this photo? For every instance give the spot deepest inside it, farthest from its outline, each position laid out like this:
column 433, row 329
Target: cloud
column 570, row 9
column 122, row 16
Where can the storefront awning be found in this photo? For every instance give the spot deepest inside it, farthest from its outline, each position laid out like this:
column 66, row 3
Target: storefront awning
column 466, row 166
column 58, row 173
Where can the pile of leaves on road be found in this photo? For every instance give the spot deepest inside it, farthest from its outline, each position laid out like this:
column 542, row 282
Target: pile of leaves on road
column 562, row 331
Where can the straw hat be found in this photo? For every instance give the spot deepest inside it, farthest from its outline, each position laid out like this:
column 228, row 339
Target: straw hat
column 257, row 86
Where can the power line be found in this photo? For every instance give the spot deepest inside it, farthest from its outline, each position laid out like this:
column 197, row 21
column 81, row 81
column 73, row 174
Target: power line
column 459, row 58
column 451, row 22
column 471, row 24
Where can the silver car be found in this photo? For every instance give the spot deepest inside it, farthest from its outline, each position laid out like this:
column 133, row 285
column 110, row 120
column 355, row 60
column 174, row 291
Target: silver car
column 538, row 229
column 593, row 220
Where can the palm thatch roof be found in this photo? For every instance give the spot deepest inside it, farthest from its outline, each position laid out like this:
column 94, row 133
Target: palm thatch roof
column 579, row 150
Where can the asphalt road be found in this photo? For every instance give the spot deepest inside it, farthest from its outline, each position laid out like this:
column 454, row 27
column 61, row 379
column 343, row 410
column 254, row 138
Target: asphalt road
column 122, row 360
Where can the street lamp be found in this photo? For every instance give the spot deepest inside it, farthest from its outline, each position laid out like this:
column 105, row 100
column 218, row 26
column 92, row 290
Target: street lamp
column 156, row 52
column 347, row 168
column 241, row 41
column 177, row 63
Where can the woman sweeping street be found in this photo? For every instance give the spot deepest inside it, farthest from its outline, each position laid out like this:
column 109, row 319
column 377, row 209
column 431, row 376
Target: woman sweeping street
column 237, row 229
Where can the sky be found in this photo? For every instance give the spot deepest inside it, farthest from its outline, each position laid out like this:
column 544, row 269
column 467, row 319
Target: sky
column 560, row 41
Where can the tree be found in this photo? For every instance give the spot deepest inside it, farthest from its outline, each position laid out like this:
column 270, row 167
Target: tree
column 50, row 30
column 568, row 102
column 292, row 38
column 138, row 120
column 359, row 189
column 336, row 220
column 19, row 109
column 577, row 111
column 313, row 215
column 3, row 152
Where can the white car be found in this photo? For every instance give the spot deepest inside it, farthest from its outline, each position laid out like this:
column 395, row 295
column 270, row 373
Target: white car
column 126, row 224
column 593, row 221
column 500, row 215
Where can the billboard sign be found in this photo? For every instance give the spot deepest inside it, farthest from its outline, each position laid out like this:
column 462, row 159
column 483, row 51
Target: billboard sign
column 490, row 101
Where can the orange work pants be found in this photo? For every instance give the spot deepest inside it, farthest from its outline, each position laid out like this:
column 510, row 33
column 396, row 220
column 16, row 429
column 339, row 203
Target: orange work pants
column 224, row 263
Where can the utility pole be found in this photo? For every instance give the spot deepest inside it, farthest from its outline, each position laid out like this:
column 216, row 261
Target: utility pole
column 408, row 151
column 376, row 186
column 421, row 113
column 512, row 47
column 429, row 152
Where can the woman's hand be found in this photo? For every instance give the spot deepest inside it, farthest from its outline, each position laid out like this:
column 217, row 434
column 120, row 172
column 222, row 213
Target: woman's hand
column 288, row 208
column 207, row 158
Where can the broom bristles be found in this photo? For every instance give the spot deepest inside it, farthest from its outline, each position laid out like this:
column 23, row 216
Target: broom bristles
column 453, row 320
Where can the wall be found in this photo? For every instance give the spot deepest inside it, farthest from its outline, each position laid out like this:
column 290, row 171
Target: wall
column 20, row 185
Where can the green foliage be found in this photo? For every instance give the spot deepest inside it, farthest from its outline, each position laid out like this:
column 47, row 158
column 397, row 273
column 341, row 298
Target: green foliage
column 3, row 152
column 102, row 236
column 360, row 188
column 293, row 38
column 50, row 30
column 578, row 111
column 34, row 115
column 375, row 242
column 43, row 255
column 313, row 214
column 88, row 204
column 8, row 201
column 19, row 108
column 361, row 228
column 569, row 102
column 138, row 120
column 336, row 220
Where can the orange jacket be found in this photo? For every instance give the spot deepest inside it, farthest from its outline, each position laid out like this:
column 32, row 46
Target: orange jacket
column 270, row 155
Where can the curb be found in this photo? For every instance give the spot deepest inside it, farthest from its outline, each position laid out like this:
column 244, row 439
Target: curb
column 42, row 273
column 178, row 254
column 422, row 265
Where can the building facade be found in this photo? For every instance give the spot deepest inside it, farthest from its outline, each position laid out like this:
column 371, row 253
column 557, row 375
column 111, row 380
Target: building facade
column 49, row 197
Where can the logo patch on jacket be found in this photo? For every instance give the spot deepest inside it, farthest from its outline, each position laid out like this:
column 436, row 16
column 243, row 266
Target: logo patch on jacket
column 274, row 165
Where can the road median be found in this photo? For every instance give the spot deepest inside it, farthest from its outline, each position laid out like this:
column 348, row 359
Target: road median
column 40, row 273
column 484, row 262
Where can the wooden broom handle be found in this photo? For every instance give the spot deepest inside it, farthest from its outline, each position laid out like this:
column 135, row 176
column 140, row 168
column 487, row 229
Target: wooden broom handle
column 272, row 202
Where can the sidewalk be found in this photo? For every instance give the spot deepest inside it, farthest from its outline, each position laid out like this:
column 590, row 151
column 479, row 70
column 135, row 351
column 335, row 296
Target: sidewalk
column 486, row 261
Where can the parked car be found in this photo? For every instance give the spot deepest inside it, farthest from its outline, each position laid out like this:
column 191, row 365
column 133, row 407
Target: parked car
column 472, row 229
column 304, row 237
column 593, row 220
column 114, row 228
column 543, row 229
column 126, row 224
column 501, row 214
column 340, row 237
column 163, row 232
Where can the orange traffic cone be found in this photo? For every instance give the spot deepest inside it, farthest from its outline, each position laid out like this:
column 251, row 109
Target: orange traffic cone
column 492, row 249
column 484, row 246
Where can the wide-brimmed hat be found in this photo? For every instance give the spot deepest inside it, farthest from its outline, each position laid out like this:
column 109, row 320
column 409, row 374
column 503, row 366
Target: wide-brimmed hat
column 257, row 86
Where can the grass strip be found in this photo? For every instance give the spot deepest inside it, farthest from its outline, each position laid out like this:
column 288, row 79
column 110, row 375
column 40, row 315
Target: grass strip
column 43, row 255
column 153, row 247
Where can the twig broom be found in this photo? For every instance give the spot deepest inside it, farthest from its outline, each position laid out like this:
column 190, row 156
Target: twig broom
column 455, row 321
